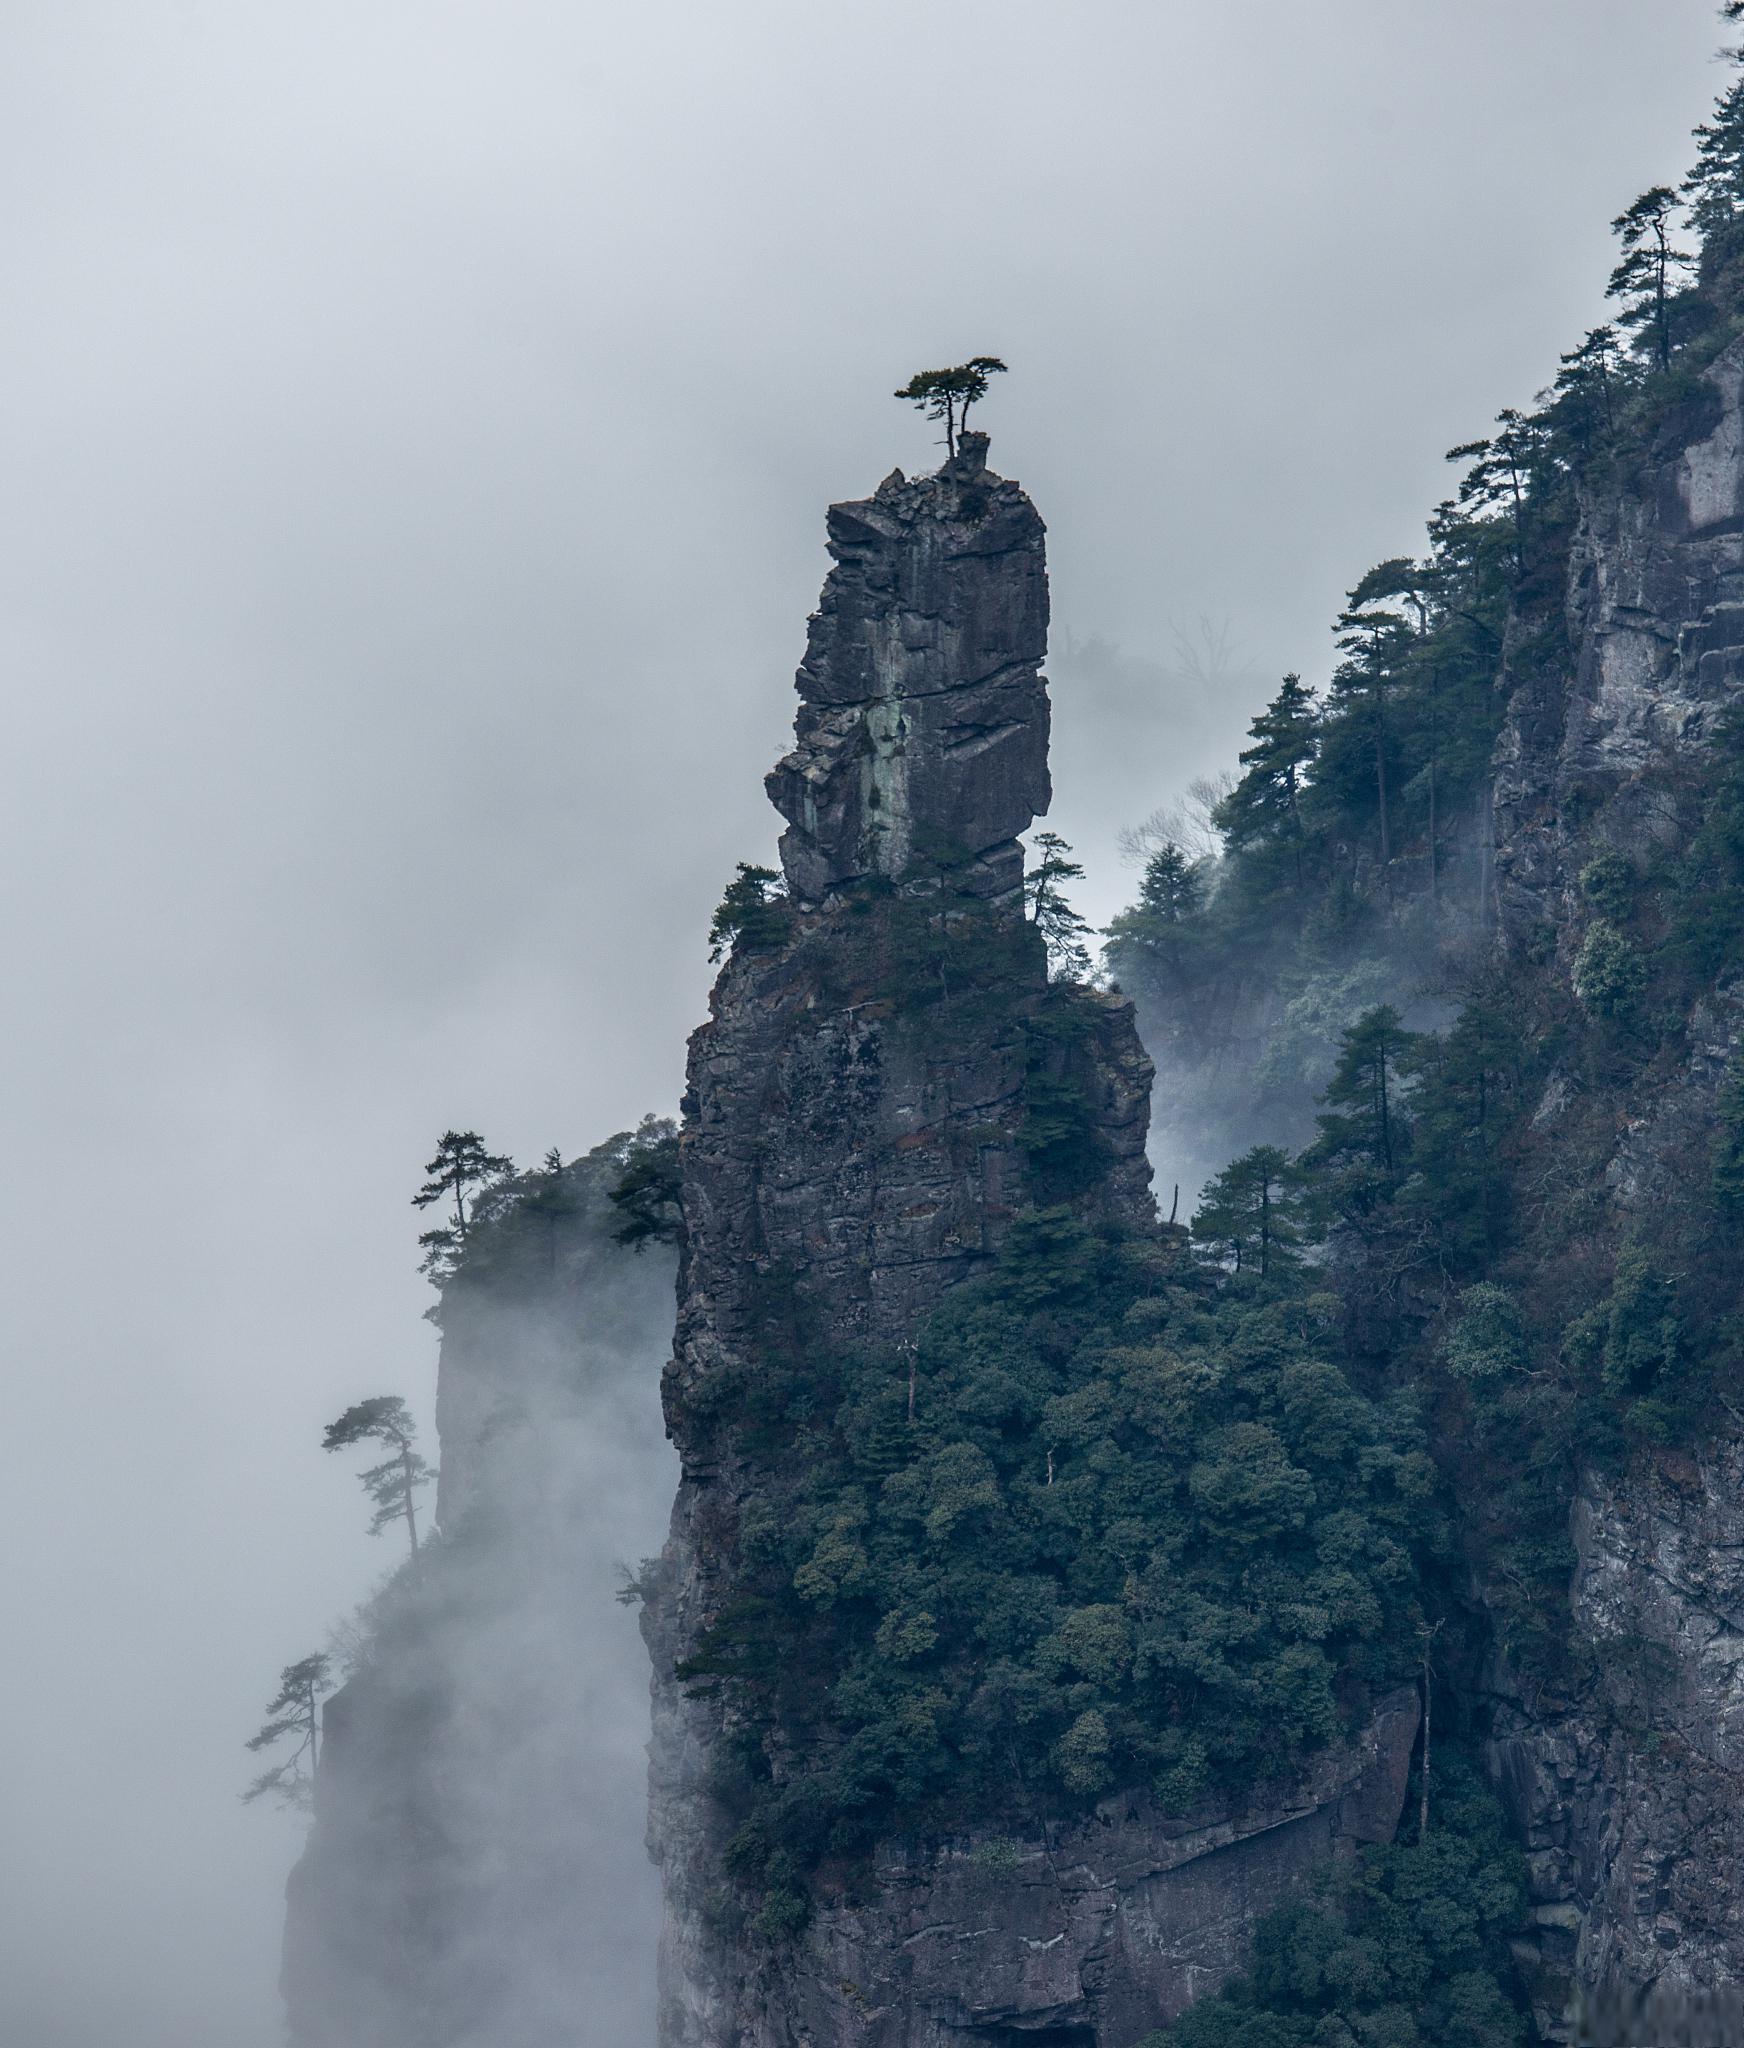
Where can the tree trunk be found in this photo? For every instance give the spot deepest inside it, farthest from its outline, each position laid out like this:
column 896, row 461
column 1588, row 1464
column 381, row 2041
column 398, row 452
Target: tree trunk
column 1386, row 1123
column 1381, row 773
column 411, row 1511
column 1429, row 1635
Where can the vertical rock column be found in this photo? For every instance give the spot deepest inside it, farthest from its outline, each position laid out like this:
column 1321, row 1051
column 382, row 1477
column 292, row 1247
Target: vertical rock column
column 857, row 1149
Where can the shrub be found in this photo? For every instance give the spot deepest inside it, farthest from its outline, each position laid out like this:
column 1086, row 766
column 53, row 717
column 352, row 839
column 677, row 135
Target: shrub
column 1609, row 972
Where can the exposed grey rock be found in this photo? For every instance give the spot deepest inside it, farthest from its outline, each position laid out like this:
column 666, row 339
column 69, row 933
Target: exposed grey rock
column 1628, row 1788
column 924, row 720
column 853, row 1128
column 1656, row 625
column 1631, row 1792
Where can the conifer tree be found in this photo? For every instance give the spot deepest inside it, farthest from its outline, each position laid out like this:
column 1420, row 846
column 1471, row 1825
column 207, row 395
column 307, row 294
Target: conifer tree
column 1586, row 384
column 749, row 912
column 460, row 1167
column 648, row 1194
column 1501, row 471
column 549, row 1196
column 294, row 1711
column 1153, row 942
column 1645, row 279
column 1464, row 1080
column 393, row 1484
column 1247, row 1215
column 1374, row 640
column 1356, row 1164
column 1266, row 803
column 948, row 394
column 1714, row 189
column 1051, row 914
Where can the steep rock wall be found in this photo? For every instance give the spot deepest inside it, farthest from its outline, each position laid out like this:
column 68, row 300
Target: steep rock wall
column 1627, row 1786
column 854, row 1147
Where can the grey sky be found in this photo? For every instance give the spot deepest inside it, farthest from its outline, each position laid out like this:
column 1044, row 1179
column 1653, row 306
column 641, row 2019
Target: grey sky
column 418, row 421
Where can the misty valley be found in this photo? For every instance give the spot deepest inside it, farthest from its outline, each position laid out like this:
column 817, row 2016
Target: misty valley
column 1173, row 1485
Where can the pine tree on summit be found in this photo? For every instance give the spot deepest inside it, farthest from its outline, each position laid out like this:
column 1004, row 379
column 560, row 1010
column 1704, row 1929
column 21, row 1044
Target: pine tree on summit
column 948, row 394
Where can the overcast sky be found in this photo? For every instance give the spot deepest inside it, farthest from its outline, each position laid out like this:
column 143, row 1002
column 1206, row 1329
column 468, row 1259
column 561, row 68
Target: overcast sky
column 417, row 422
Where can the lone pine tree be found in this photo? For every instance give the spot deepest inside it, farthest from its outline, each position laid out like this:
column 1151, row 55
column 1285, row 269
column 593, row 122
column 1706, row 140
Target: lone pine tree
column 461, row 1167
column 293, row 1712
column 393, row 1484
column 1059, row 924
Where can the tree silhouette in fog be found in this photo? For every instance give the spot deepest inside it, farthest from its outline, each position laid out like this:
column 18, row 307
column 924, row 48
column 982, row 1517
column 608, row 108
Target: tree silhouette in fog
column 294, row 1712
column 393, row 1484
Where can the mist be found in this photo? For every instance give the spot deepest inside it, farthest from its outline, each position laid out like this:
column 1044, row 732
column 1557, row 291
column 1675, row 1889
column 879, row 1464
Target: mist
column 419, row 424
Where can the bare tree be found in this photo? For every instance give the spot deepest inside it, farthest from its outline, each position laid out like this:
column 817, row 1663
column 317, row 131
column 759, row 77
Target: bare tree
column 1188, row 822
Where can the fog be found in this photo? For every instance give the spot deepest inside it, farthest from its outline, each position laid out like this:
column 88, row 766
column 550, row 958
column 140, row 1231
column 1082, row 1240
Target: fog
column 418, row 422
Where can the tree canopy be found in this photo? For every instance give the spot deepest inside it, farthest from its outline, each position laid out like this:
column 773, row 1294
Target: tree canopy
column 948, row 394
column 394, row 1484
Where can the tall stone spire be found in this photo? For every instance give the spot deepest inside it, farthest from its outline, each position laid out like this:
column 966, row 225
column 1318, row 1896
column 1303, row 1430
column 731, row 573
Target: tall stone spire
column 922, row 736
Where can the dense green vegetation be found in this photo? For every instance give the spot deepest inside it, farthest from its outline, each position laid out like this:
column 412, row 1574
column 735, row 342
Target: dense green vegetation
column 1406, row 1947
column 1166, row 1510
column 1106, row 1524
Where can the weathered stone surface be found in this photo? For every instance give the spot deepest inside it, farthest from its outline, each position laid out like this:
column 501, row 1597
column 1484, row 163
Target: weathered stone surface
column 853, row 1135
column 1630, row 1792
column 1587, row 763
column 1629, row 1788
column 923, row 717
column 1094, row 1935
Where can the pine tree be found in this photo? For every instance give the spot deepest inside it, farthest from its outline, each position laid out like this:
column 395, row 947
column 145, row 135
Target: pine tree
column 1714, row 189
column 649, row 1193
column 294, row 1711
column 393, row 1484
column 461, row 1166
column 1501, row 471
column 1265, row 805
column 1586, row 385
column 749, row 913
column 1466, row 1079
column 1248, row 1215
column 1051, row 914
column 1356, row 1164
column 948, row 394
column 548, row 1196
column 1647, row 272
column 1153, row 943
column 1375, row 641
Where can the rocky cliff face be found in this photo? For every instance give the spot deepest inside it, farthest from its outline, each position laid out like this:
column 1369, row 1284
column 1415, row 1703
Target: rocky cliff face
column 473, row 1878
column 854, row 1147
column 1627, row 1783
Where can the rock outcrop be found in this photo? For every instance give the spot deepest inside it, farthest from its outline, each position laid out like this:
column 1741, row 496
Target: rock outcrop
column 1590, row 757
column 853, row 1149
column 473, row 1878
column 1627, row 1782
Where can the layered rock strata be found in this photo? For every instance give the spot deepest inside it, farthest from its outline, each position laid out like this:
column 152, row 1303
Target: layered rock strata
column 854, row 1142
